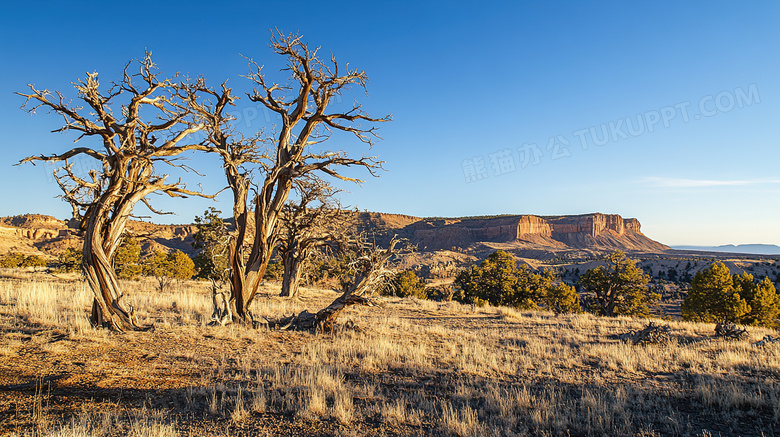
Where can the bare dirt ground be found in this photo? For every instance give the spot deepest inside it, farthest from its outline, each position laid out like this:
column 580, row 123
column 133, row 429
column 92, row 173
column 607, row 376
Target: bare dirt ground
column 412, row 368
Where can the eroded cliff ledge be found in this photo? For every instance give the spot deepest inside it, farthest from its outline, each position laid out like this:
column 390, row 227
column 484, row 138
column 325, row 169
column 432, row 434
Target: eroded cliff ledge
column 587, row 231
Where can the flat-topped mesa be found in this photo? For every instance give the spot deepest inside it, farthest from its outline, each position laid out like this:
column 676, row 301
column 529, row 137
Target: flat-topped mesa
column 383, row 220
column 33, row 227
column 32, row 221
column 594, row 231
column 601, row 230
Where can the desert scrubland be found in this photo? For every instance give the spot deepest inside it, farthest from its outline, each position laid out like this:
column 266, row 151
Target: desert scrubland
column 409, row 367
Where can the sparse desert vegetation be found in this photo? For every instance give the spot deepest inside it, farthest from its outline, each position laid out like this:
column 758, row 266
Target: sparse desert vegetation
column 410, row 367
column 389, row 219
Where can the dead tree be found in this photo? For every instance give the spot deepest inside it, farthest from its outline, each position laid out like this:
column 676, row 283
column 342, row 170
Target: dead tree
column 370, row 274
column 303, row 123
column 239, row 156
column 730, row 330
column 140, row 122
column 766, row 340
column 652, row 333
column 314, row 222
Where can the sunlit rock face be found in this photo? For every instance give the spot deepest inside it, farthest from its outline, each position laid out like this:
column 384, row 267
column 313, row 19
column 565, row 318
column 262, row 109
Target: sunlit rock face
column 587, row 231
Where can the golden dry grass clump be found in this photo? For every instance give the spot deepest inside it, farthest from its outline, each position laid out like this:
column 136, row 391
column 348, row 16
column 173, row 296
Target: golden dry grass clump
column 413, row 368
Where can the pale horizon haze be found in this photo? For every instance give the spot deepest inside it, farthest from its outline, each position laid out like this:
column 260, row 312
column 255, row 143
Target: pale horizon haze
column 666, row 112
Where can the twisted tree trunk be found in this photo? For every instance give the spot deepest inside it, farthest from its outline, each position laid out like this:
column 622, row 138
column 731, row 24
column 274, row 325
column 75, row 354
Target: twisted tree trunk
column 236, row 308
column 126, row 152
column 292, row 274
column 104, row 228
column 304, row 122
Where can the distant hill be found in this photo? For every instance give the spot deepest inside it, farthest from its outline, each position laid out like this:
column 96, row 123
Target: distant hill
column 753, row 249
column 43, row 235
column 526, row 236
column 444, row 245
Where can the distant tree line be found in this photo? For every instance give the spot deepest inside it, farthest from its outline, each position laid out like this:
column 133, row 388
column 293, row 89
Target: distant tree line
column 128, row 264
column 617, row 288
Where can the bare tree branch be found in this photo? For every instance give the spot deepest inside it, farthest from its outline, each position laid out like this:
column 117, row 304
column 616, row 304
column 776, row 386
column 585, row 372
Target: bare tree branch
column 140, row 121
column 65, row 156
column 304, row 121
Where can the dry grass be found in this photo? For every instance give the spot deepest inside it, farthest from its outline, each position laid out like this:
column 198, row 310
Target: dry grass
column 144, row 425
column 414, row 368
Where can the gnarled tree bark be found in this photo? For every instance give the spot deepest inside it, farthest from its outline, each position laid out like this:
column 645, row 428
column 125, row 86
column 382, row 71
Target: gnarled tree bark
column 303, row 123
column 103, row 201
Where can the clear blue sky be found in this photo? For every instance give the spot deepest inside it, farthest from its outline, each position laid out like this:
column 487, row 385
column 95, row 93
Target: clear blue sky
column 655, row 110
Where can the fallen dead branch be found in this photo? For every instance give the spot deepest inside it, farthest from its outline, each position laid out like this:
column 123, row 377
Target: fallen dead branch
column 766, row 340
column 652, row 333
column 371, row 274
column 730, row 330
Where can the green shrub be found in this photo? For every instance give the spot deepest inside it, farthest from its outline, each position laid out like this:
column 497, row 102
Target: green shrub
column 562, row 299
column 406, row 284
column 33, row 261
column 718, row 296
column 127, row 259
column 14, row 260
column 212, row 240
column 166, row 267
column 275, row 269
column 70, row 260
column 499, row 281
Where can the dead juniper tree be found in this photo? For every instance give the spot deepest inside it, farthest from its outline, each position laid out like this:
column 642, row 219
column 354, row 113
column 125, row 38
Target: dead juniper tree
column 239, row 156
column 140, row 122
column 370, row 272
column 304, row 122
column 652, row 333
column 314, row 222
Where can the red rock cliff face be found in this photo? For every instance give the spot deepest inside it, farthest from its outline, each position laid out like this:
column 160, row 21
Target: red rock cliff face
column 603, row 231
column 593, row 224
column 32, row 221
column 449, row 233
column 39, row 234
column 632, row 225
column 31, row 233
column 533, row 225
column 165, row 237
